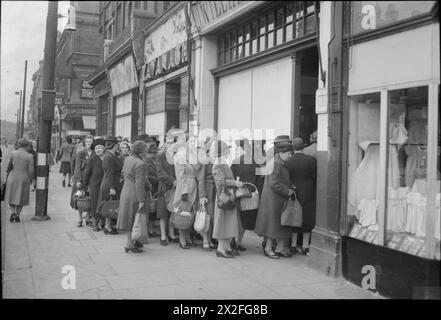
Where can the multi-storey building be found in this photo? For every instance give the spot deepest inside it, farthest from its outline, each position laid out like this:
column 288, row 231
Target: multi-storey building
column 77, row 56
column 121, row 55
column 34, row 111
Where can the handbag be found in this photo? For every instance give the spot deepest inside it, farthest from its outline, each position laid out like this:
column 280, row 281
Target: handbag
column 109, row 209
column 292, row 213
column 153, row 203
column 139, row 230
column 252, row 202
column 226, row 199
column 199, row 221
column 242, row 192
column 169, row 197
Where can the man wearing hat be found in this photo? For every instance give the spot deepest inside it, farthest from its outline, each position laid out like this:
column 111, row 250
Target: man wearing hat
column 311, row 150
column 303, row 173
column 110, row 185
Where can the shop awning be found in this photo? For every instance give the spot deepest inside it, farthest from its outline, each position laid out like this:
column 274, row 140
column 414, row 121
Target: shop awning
column 89, row 122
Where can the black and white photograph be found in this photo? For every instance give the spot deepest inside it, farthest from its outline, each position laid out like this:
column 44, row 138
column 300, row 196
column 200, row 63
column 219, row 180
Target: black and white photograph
column 201, row 151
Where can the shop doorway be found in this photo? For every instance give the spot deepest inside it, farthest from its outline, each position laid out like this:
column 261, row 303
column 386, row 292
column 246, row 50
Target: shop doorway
column 307, row 118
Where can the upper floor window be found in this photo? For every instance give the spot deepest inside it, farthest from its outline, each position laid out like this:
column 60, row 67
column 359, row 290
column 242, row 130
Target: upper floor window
column 371, row 15
column 284, row 23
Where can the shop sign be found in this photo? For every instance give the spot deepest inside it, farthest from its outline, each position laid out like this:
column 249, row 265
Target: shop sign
column 86, row 90
column 123, row 77
column 167, row 36
column 207, row 13
column 167, row 62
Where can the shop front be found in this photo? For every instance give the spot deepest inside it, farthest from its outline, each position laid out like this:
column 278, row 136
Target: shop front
column 262, row 60
column 124, row 85
column 379, row 208
column 165, row 74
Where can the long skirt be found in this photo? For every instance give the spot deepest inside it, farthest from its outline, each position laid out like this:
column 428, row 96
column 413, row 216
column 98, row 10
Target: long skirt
column 65, row 167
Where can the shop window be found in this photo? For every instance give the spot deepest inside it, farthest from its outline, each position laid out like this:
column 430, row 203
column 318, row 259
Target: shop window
column 371, row 15
column 388, row 150
column 285, row 22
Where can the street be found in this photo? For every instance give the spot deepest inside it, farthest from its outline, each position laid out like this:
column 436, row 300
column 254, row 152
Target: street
column 34, row 254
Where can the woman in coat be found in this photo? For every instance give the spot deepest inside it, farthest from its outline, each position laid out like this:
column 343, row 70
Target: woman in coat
column 19, row 173
column 73, row 198
column 92, row 179
column 80, row 168
column 276, row 190
column 303, row 172
column 110, row 185
column 227, row 223
column 65, row 156
column 186, row 195
column 207, row 191
column 134, row 193
column 167, row 182
column 244, row 167
column 152, row 175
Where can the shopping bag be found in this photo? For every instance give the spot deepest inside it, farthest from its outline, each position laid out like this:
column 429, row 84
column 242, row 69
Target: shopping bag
column 109, row 208
column 169, row 197
column 292, row 213
column 199, row 221
column 207, row 223
column 139, row 230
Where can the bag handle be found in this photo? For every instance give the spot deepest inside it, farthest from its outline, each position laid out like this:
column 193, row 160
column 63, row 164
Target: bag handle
column 255, row 188
column 294, row 195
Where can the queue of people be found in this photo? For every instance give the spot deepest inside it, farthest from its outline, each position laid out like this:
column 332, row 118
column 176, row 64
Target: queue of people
column 182, row 176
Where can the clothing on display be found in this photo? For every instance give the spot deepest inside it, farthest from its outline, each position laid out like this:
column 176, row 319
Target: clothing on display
column 397, row 209
column 416, row 163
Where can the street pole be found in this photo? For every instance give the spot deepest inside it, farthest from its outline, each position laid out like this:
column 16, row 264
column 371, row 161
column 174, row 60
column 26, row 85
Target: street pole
column 23, row 107
column 17, row 131
column 47, row 114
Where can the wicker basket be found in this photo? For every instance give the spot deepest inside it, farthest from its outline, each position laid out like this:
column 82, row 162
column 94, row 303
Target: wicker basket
column 182, row 221
column 153, row 203
column 250, row 203
column 83, row 203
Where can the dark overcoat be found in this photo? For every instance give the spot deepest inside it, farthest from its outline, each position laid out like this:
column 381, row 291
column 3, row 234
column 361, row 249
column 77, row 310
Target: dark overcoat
column 112, row 167
column 303, row 172
column 79, row 167
column 167, row 176
column 274, row 194
column 92, row 178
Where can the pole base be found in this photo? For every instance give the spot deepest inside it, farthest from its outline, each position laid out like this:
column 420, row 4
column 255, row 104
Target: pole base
column 40, row 218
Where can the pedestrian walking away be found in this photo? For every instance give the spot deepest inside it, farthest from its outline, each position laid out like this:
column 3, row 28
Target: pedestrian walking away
column 19, row 175
column 65, row 156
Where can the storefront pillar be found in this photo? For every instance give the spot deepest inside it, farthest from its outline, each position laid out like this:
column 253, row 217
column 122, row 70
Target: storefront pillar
column 326, row 242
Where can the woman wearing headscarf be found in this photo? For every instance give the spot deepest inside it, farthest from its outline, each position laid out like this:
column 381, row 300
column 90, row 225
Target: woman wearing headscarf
column 92, row 179
column 110, row 185
column 167, row 181
column 276, row 190
column 303, row 173
column 134, row 193
column 124, row 150
column 207, row 190
column 227, row 224
column 186, row 195
column 81, row 160
column 19, row 175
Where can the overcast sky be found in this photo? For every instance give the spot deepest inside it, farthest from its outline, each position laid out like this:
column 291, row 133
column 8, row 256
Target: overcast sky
column 23, row 31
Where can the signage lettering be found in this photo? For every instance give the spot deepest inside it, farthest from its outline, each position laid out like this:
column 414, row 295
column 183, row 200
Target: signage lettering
column 168, row 61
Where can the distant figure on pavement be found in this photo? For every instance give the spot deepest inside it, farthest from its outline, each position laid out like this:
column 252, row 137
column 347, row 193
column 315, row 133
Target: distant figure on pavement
column 65, row 156
column 20, row 172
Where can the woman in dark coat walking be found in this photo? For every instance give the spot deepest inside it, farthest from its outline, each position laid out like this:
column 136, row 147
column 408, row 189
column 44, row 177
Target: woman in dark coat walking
column 110, row 185
column 244, row 167
column 167, row 182
column 19, row 175
column 80, row 168
column 303, row 172
column 276, row 190
column 73, row 198
column 92, row 179
column 134, row 193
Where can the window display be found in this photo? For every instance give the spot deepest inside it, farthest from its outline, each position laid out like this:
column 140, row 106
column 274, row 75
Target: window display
column 405, row 210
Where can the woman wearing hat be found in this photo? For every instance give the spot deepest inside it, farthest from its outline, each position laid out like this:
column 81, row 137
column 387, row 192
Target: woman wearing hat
column 65, row 156
column 303, row 172
column 19, row 173
column 134, row 193
column 276, row 190
column 227, row 224
column 92, row 179
column 110, row 185
column 81, row 161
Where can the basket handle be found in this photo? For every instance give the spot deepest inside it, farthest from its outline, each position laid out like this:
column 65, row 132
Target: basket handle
column 249, row 183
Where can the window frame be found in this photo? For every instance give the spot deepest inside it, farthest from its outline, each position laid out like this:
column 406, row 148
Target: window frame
column 433, row 87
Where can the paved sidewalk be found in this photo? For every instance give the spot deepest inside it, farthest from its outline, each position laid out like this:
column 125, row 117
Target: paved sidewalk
column 35, row 253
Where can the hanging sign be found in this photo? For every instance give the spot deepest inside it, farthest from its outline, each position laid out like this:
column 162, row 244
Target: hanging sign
column 123, row 77
column 207, row 13
column 86, row 90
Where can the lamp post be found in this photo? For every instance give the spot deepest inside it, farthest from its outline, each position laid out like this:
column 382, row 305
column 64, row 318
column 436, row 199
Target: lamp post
column 23, row 107
column 17, row 132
